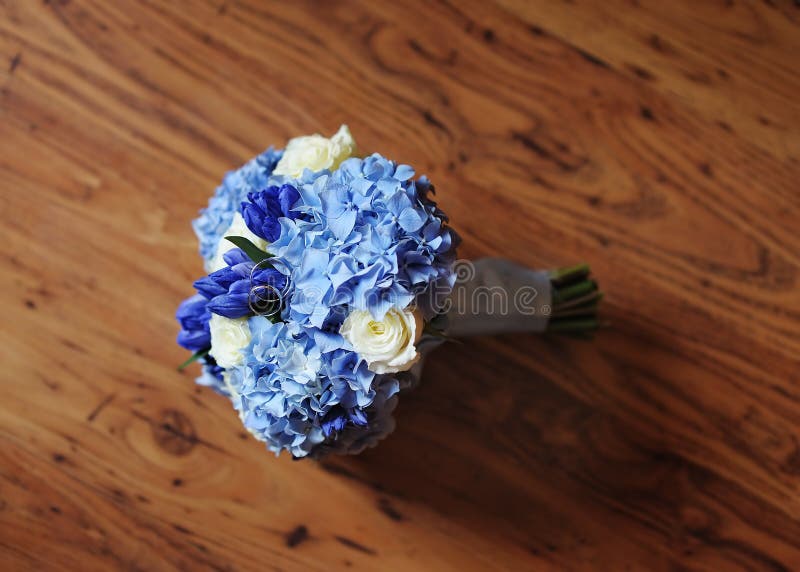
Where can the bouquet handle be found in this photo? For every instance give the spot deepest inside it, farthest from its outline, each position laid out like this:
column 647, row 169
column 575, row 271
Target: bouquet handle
column 496, row 296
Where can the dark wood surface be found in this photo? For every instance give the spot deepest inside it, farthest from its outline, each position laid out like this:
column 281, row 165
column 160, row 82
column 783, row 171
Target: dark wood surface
column 657, row 140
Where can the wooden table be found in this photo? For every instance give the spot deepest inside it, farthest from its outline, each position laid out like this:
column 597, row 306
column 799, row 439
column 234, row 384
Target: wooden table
column 658, row 140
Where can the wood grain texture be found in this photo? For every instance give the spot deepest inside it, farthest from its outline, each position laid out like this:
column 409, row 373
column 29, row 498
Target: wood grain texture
column 658, row 140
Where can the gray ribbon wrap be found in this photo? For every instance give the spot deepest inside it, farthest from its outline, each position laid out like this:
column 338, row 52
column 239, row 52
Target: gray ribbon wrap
column 491, row 296
column 497, row 296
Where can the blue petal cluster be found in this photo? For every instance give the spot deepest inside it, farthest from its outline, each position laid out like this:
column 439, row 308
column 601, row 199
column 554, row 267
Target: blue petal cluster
column 193, row 317
column 295, row 397
column 229, row 290
column 216, row 218
column 263, row 210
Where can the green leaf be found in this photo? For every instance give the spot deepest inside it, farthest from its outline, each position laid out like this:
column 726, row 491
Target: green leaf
column 251, row 250
column 195, row 356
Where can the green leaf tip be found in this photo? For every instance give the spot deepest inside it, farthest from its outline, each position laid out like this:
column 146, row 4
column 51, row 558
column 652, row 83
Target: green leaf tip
column 253, row 252
column 195, row 356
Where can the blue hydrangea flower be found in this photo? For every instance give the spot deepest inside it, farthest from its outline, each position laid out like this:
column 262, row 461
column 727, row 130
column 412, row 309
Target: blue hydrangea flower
column 295, row 397
column 215, row 219
column 355, row 437
column 371, row 238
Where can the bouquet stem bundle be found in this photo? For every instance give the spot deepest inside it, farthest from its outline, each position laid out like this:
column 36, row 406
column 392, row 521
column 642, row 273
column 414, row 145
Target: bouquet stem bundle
column 576, row 297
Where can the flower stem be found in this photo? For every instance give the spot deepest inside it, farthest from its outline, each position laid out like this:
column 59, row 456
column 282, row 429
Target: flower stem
column 576, row 298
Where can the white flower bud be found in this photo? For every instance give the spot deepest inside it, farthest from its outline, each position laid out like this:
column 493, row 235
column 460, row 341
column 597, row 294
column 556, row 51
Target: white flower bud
column 228, row 338
column 316, row 153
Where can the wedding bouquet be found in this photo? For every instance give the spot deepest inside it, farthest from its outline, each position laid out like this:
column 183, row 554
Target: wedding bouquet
column 330, row 276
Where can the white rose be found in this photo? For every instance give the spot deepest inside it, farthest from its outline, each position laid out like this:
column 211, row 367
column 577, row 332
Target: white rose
column 228, row 339
column 238, row 228
column 386, row 345
column 315, row 152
